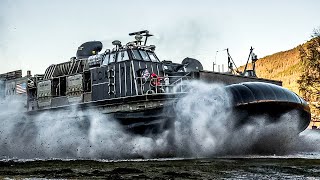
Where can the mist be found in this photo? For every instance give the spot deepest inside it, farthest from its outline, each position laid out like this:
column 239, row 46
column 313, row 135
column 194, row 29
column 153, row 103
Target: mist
column 204, row 127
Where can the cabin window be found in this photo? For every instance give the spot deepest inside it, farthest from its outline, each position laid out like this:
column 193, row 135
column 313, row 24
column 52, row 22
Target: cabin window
column 59, row 86
column 106, row 59
column 55, row 87
column 87, row 81
column 112, row 57
column 136, row 55
column 63, row 86
column 123, row 56
column 153, row 57
column 144, row 55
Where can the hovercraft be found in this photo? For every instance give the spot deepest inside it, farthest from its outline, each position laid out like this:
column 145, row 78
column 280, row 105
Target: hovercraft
column 130, row 83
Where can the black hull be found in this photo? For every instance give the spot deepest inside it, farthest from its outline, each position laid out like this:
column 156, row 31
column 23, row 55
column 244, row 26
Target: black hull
column 154, row 113
column 273, row 111
column 155, row 120
column 249, row 100
column 151, row 121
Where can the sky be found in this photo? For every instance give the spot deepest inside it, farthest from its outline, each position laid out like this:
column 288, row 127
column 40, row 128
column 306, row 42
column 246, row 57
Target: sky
column 37, row 33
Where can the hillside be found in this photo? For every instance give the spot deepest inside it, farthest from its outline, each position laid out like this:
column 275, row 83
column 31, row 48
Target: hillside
column 285, row 66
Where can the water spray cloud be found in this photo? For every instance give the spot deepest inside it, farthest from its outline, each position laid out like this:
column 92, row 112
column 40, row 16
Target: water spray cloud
column 203, row 127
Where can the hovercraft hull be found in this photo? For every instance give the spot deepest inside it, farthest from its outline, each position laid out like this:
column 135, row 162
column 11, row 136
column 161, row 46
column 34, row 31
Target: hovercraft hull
column 154, row 113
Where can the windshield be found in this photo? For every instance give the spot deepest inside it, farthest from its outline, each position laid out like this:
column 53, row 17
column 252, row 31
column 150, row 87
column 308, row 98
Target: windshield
column 122, row 56
column 144, row 55
column 112, row 58
column 106, row 59
column 136, row 55
column 153, row 57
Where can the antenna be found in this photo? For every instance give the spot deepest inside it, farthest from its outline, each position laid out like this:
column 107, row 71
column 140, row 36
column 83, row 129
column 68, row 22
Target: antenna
column 245, row 68
column 139, row 35
column 231, row 64
column 117, row 43
column 215, row 60
column 254, row 58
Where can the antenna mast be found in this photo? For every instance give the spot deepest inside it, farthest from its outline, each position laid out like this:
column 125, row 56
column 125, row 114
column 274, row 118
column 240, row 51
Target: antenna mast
column 231, row 64
column 254, row 58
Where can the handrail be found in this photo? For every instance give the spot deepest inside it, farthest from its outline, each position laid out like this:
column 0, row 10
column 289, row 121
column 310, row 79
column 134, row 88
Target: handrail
column 182, row 77
column 160, row 84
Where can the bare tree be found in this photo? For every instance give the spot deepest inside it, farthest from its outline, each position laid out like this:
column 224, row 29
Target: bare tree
column 316, row 32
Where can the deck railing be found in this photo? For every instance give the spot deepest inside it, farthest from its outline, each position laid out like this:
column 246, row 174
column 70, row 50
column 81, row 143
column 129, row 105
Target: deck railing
column 166, row 84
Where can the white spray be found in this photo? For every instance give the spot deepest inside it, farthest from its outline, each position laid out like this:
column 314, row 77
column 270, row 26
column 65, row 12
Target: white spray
column 203, row 128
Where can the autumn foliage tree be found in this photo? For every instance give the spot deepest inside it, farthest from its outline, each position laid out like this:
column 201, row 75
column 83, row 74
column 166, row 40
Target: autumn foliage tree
column 309, row 81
